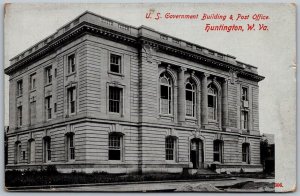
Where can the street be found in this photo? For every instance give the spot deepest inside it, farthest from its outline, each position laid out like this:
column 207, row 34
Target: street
column 148, row 187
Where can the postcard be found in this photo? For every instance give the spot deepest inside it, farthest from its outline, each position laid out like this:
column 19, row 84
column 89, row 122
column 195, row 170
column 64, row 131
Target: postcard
column 150, row 97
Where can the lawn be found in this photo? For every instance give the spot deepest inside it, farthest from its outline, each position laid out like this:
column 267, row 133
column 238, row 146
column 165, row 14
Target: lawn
column 51, row 176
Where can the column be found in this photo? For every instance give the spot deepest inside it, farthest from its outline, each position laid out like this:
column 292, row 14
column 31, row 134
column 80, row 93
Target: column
column 204, row 117
column 225, row 123
column 250, row 113
column 181, row 95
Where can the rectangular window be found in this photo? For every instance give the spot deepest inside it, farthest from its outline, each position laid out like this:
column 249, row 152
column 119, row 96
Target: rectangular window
column 190, row 102
column 71, row 64
column 170, row 148
column 244, row 119
column 115, row 63
column 55, row 107
column 49, row 107
column 245, row 153
column 32, row 112
column 19, row 87
column 48, row 71
column 23, row 155
column 47, row 149
column 165, row 99
column 114, row 147
column 212, row 105
column 31, row 156
column 71, row 150
column 72, row 100
column 217, row 151
column 19, row 152
column 115, row 95
column 244, row 94
column 32, row 81
column 19, row 116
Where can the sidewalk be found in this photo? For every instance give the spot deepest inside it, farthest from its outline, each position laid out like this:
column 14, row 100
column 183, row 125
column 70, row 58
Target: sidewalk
column 149, row 186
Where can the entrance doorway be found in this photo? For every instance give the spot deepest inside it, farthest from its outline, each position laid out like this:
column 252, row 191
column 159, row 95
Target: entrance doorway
column 197, row 155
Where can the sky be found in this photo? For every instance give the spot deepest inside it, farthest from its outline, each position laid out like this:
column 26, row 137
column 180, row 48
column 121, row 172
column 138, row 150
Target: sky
column 273, row 51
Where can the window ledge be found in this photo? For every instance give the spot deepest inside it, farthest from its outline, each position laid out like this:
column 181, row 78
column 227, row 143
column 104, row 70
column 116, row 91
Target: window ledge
column 115, row 73
column 48, row 84
column 32, row 90
column 70, row 74
column 171, row 162
column 166, row 115
column 115, row 161
column 245, row 163
column 18, row 96
column 70, row 115
column 190, row 118
column 115, row 114
column 217, row 162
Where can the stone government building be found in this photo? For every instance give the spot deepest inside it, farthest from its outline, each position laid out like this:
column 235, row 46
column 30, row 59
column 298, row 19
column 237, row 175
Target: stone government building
column 100, row 95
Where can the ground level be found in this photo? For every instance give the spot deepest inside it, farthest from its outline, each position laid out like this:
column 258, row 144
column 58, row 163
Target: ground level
column 222, row 185
column 115, row 148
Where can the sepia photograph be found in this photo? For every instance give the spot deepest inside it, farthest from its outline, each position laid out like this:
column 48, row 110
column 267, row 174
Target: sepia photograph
column 150, row 97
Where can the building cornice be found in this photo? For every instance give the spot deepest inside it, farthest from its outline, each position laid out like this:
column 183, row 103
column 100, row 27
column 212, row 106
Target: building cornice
column 90, row 23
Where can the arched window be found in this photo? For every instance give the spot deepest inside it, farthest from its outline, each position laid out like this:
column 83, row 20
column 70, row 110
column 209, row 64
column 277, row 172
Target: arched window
column 31, row 151
column 171, row 148
column 218, row 151
column 47, row 148
column 190, row 96
column 18, row 150
column 165, row 94
column 70, row 146
column 246, row 153
column 212, row 102
column 115, row 146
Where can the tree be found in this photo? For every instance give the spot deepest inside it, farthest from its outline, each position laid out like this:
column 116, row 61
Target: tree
column 264, row 152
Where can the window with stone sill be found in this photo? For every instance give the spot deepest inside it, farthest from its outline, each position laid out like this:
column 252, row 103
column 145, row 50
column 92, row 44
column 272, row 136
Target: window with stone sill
column 71, row 100
column 48, row 73
column 47, row 149
column 115, row 63
column 31, row 151
column 165, row 102
column 71, row 64
column 218, row 151
column 115, row 99
column 212, row 102
column 246, row 153
column 170, row 146
column 19, row 116
column 20, row 88
column 32, row 82
column 115, row 147
column 244, row 94
column 70, row 146
column 32, row 111
column 48, row 104
column 245, row 120
column 18, row 149
column 190, row 98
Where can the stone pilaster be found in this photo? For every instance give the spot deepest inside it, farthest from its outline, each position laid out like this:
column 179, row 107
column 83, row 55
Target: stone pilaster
column 225, row 123
column 181, row 95
column 204, row 114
